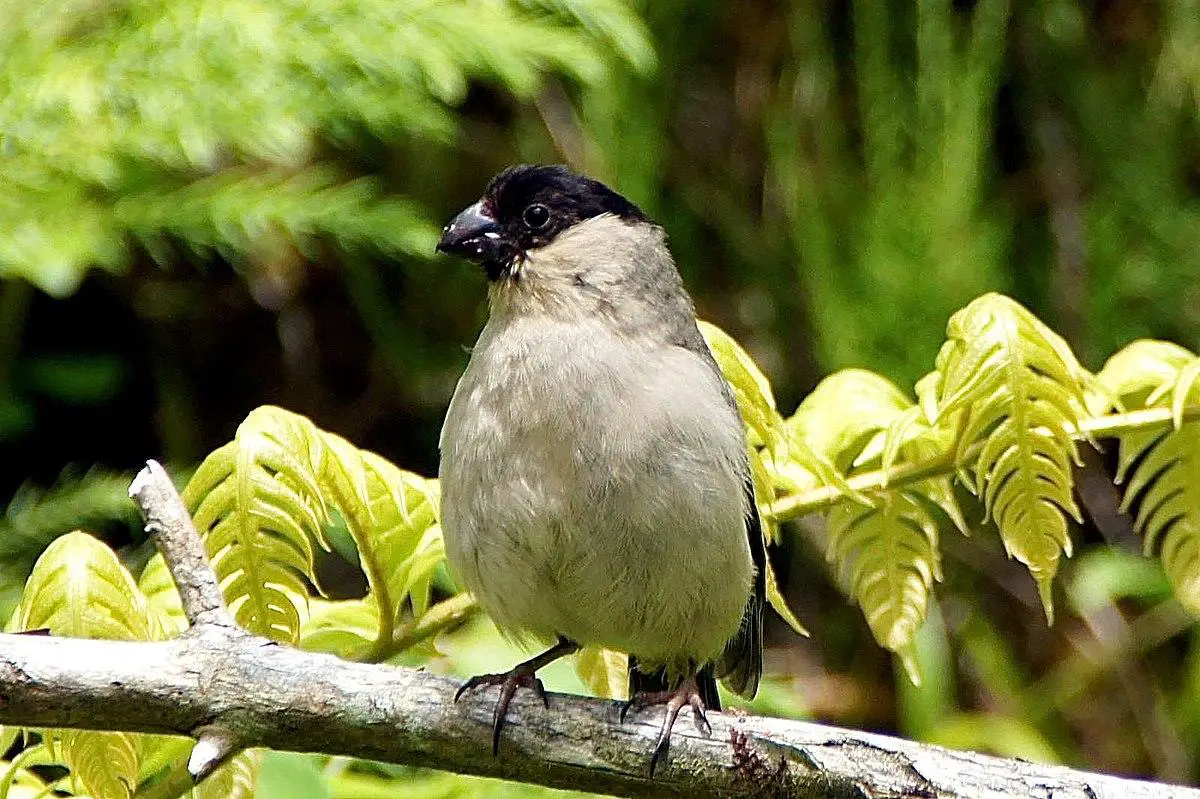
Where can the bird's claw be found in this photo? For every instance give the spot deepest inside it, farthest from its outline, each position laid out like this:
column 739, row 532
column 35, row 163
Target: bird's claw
column 686, row 695
column 509, row 682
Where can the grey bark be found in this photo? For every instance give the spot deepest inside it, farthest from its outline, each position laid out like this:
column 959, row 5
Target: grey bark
column 233, row 689
column 275, row 696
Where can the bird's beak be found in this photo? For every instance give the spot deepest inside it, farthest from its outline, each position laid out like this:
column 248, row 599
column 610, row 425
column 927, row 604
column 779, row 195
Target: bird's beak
column 472, row 234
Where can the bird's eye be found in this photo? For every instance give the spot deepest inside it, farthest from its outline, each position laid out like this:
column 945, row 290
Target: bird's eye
column 536, row 216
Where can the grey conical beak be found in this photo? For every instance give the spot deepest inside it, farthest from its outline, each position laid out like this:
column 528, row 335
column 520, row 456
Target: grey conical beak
column 472, row 234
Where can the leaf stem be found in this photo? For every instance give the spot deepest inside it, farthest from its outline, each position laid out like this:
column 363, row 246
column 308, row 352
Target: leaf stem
column 793, row 506
column 441, row 617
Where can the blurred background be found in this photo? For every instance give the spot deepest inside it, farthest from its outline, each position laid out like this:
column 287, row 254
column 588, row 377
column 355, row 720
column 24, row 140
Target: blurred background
column 210, row 205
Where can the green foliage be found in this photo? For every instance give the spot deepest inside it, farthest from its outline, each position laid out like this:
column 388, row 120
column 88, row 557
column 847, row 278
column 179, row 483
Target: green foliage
column 260, row 509
column 35, row 517
column 261, row 503
column 1013, row 385
column 836, row 181
column 79, row 589
column 771, row 444
column 1162, row 466
column 884, row 547
column 603, row 671
column 1001, row 415
column 1002, row 412
column 217, row 124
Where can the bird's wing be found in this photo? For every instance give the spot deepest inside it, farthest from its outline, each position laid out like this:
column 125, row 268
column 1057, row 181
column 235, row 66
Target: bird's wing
column 740, row 665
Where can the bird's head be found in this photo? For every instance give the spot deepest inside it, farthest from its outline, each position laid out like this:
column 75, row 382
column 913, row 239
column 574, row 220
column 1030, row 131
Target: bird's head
column 524, row 209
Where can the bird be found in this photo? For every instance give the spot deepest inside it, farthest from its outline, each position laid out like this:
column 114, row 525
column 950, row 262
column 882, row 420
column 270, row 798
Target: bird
column 595, row 483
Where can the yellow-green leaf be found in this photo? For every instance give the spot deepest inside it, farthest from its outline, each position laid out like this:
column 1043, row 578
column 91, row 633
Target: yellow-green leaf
column 845, row 412
column 78, row 588
column 103, row 764
column 776, row 601
column 17, row 781
column 887, row 556
column 234, row 780
column 750, row 387
column 604, row 671
column 1013, row 386
column 162, row 596
column 259, row 507
column 1163, row 472
column 402, row 550
column 1143, row 368
column 346, row 628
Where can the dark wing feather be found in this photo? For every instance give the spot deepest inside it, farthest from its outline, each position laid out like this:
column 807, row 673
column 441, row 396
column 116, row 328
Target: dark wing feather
column 740, row 665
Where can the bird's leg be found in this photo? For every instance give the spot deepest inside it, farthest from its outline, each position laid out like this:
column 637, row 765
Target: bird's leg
column 523, row 674
column 686, row 694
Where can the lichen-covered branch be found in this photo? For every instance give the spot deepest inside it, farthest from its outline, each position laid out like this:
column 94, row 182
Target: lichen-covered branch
column 275, row 696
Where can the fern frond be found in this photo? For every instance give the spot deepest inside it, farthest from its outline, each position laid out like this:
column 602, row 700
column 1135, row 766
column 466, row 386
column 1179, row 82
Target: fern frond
column 750, row 388
column 886, row 547
column 261, row 503
column 17, row 781
column 1141, row 372
column 348, row 628
column 157, row 585
column 104, row 765
column 111, row 116
column 78, row 588
column 612, row 21
column 1010, row 382
column 257, row 504
column 391, row 514
column 888, row 558
column 845, row 412
column 35, row 516
column 405, row 541
column 1162, row 467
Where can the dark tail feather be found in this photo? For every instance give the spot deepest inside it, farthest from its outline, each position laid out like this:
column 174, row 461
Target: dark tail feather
column 740, row 665
column 656, row 681
column 708, row 688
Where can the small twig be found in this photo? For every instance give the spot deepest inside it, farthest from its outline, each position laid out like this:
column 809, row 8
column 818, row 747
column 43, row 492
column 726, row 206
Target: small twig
column 445, row 615
column 214, row 745
column 168, row 521
column 793, row 506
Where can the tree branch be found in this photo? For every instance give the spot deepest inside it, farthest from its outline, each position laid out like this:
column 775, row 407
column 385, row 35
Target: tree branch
column 793, row 506
column 167, row 520
column 275, row 696
column 230, row 689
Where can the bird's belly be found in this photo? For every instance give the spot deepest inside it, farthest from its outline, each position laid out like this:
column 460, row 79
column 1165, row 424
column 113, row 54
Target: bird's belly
column 599, row 579
column 613, row 516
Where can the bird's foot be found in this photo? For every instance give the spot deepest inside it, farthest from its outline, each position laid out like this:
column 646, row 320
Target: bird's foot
column 523, row 675
column 686, row 695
